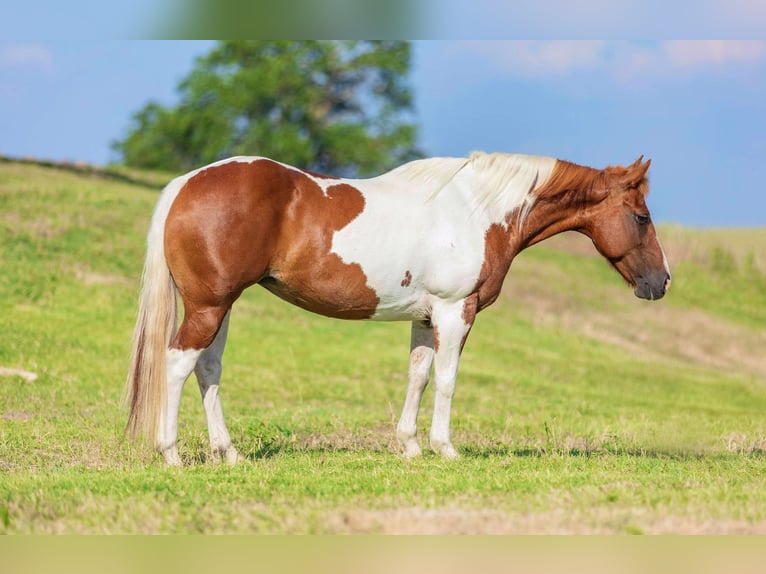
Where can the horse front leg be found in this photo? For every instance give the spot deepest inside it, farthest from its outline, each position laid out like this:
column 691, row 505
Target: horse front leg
column 421, row 358
column 452, row 321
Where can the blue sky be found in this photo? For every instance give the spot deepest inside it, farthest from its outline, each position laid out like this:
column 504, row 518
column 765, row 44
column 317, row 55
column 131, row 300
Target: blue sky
column 696, row 108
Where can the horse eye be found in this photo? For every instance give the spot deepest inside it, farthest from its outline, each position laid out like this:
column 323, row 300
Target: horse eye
column 641, row 219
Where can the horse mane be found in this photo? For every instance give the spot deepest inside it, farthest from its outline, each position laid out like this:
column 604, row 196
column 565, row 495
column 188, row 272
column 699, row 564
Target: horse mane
column 504, row 181
column 569, row 178
column 578, row 180
column 508, row 182
column 435, row 172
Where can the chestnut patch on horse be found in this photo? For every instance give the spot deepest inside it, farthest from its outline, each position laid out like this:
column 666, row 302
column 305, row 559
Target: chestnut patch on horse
column 470, row 308
column 407, row 279
column 497, row 260
column 304, row 271
column 260, row 222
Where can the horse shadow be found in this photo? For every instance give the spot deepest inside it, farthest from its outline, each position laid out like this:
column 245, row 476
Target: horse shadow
column 265, row 449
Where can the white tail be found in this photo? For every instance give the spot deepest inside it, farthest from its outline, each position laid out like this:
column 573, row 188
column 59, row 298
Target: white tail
column 156, row 326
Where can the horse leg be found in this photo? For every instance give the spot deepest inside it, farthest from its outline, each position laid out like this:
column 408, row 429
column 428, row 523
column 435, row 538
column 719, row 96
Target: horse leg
column 196, row 333
column 421, row 357
column 451, row 322
column 208, row 371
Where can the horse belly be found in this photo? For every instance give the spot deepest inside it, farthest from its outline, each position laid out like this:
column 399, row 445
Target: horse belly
column 408, row 291
column 324, row 296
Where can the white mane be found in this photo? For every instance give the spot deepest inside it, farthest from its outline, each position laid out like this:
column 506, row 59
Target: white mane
column 503, row 182
column 506, row 182
column 435, row 172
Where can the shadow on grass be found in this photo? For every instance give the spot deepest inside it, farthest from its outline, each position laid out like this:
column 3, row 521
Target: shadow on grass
column 254, row 448
column 675, row 453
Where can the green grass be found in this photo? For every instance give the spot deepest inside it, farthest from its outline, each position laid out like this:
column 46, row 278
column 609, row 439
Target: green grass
column 722, row 271
column 560, row 430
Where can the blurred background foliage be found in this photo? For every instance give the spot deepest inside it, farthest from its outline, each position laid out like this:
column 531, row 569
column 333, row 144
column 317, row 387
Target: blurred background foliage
column 339, row 107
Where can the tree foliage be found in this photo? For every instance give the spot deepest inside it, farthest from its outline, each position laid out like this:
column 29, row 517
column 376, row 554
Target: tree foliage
column 336, row 107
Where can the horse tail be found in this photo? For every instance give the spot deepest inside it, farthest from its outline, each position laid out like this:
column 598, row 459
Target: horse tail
column 146, row 387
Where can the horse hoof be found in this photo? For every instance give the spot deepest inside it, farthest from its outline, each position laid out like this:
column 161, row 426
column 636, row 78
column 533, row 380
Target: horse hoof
column 449, row 454
column 446, row 451
column 171, row 457
column 232, row 456
column 412, row 450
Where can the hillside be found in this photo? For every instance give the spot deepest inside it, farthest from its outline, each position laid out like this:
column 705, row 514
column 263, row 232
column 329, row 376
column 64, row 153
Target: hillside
column 579, row 408
column 714, row 315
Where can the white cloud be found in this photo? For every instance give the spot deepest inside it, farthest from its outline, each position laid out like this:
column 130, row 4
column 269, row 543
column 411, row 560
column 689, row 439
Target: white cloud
column 540, row 58
column 610, row 19
column 557, row 56
column 689, row 54
column 624, row 62
column 675, row 59
column 25, row 56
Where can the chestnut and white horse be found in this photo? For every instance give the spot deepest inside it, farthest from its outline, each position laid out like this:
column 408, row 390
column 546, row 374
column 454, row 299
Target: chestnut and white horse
column 429, row 242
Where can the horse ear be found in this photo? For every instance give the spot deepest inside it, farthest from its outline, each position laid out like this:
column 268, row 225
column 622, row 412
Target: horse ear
column 638, row 161
column 636, row 172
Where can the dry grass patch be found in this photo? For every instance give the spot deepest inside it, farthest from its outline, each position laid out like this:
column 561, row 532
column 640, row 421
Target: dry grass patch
column 89, row 277
column 28, row 376
column 451, row 521
column 546, row 294
column 738, row 247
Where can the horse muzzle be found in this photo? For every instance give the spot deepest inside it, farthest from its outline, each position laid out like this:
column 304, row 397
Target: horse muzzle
column 652, row 288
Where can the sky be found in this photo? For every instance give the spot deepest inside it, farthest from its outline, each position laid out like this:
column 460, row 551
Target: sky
column 696, row 108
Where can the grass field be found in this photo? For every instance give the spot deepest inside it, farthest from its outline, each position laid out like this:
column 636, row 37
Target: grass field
column 579, row 408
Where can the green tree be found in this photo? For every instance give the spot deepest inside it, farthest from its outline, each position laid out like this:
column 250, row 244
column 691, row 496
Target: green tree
column 336, row 107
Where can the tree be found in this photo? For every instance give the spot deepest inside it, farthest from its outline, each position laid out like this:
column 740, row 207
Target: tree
column 335, row 107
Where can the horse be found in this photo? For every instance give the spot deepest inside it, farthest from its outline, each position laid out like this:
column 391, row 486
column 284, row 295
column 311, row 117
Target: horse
column 429, row 242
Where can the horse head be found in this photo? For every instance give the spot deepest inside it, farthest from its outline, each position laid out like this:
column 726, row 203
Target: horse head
column 621, row 228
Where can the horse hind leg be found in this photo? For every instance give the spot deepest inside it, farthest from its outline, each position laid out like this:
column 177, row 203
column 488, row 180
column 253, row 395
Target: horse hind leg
column 197, row 332
column 421, row 357
column 208, row 371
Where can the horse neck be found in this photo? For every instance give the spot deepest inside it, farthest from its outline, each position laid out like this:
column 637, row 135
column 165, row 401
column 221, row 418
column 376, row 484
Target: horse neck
column 560, row 204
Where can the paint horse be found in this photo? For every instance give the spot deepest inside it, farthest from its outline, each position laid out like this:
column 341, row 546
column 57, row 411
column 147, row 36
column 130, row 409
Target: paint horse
column 429, row 242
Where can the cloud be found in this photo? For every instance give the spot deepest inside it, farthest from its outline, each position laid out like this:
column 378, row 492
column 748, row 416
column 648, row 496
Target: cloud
column 682, row 59
column 25, row 56
column 541, row 58
column 689, row 54
column 621, row 61
column 584, row 19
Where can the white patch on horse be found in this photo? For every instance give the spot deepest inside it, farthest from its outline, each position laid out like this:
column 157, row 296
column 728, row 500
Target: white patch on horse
column 664, row 257
column 179, row 366
column 430, row 217
column 665, row 263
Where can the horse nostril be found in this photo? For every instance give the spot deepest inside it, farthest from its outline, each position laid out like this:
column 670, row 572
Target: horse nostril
column 667, row 282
